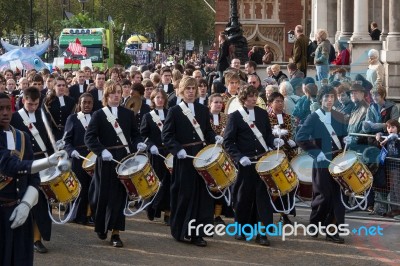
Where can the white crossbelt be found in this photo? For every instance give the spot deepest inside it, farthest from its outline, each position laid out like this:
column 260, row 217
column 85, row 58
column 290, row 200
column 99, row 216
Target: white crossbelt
column 113, row 121
column 33, row 130
column 330, row 129
column 186, row 111
column 82, row 119
column 157, row 120
column 254, row 128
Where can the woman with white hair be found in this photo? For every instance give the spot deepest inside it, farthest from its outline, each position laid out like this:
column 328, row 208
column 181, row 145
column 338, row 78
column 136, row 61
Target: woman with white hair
column 376, row 71
column 286, row 89
column 321, row 58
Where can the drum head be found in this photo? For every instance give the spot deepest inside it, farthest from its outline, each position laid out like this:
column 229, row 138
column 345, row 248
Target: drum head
column 48, row 174
column 132, row 165
column 208, row 155
column 302, row 165
column 232, row 105
column 169, row 160
column 343, row 162
column 270, row 161
column 92, row 157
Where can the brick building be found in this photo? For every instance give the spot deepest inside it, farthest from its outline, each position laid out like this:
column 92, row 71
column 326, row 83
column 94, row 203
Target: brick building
column 267, row 22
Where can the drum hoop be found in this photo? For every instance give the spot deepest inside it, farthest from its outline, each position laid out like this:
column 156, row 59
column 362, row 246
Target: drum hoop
column 87, row 164
column 128, row 157
column 270, row 153
column 212, row 163
column 296, row 160
column 349, row 169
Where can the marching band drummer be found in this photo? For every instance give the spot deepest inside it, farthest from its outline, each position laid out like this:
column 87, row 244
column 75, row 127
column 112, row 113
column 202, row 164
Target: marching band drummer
column 75, row 129
column 281, row 121
column 29, row 119
column 247, row 136
column 186, row 128
column 107, row 195
column 218, row 121
column 322, row 137
column 151, row 127
column 19, row 186
column 58, row 107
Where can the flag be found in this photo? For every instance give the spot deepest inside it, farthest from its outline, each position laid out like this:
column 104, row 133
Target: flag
column 76, row 48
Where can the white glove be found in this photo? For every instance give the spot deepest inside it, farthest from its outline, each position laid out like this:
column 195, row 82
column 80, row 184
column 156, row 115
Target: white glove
column 21, row 212
column 154, row 150
column 392, row 136
column 75, row 154
column 278, row 142
column 55, row 157
column 377, row 125
column 367, row 125
column 245, row 161
column 141, row 146
column 219, row 139
column 106, row 155
column 321, row 157
column 347, row 140
column 181, row 154
column 291, row 143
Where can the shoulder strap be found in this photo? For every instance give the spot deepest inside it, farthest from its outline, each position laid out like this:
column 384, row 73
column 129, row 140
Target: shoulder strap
column 253, row 128
column 113, row 121
column 51, row 117
column 157, row 120
column 32, row 129
column 186, row 111
column 330, row 129
column 19, row 138
column 81, row 117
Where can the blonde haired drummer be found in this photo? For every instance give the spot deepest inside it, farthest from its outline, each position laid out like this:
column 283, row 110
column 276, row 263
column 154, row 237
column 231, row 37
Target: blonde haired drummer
column 232, row 83
column 323, row 141
column 248, row 136
column 186, row 129
column 108, row 196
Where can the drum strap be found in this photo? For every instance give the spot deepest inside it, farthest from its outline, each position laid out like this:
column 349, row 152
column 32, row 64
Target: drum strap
column 113, row 121
column 157, row 120
column 189, row 115
column 330, row 129
column 33, row 130
column 253, row 128
column 82, row 119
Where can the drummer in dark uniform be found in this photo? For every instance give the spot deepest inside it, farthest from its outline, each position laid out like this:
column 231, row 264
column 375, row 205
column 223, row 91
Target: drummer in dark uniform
column 29, row 119
column 249, row 192
column 75, row 130
column 19, row 186
column 58, row 107
column 186, row 129
column 324, row 144
column 151, row 127
column 107, row 195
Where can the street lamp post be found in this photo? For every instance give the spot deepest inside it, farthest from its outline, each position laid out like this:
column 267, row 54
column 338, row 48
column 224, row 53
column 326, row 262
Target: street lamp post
column 31, row 34
column 83, row 5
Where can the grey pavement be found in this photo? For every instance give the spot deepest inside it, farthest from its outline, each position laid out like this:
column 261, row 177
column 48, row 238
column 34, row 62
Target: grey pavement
column 150, row 243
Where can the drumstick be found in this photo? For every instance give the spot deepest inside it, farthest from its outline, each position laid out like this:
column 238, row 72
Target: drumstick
column 136, row 153
column 345, row 148
column 162, row 156
column 84, row 158
column 341, row 167
column 118, row 162
column 260, row 162
column 192, row 157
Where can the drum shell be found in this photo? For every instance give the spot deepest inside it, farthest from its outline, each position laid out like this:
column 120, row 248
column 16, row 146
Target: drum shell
column 169, row 162
column 357, row 178
column 279, row 180
column 143, row 183
column 89, row 168
column 219, row 174
column 63, row 188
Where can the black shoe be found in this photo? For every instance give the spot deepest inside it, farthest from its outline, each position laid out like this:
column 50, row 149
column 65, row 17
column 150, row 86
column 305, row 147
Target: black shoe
column 262, row 240
column 39, row 247
column 285, row 220
column 240, row 237
column 90, row 221
column 102, row 236
column 116, row 242
column 335, row 238
column 198, row 241
column 218, row 220
column 150, row 213
column 166, row 220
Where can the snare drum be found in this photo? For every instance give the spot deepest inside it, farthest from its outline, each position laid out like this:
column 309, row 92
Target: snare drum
column 138, row 177
column 277, row 174
column 214, row 165
column 351, row 173
column 302, row 165
column 169, row 162
column 88, row 166
column 59, row 187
